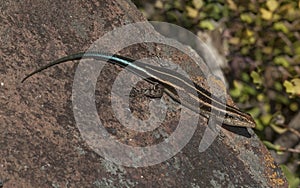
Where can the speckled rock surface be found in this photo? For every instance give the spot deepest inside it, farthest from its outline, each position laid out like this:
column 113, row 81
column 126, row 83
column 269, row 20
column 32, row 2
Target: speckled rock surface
column 40, row 145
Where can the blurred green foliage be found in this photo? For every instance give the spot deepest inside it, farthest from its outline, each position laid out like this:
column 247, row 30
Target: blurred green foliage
column 264, row 48
column 293, row 180
column 263, row 42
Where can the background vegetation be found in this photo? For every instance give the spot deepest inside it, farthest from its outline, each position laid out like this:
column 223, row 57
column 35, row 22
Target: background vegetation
column 261, row 41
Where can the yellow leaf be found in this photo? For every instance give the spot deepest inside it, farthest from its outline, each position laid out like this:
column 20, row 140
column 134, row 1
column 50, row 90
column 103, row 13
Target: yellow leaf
column 207, row 24
column 232, row 5
column 272, row 5
column 266, row 119
column 191, row 12
column 292, row 86
column 198, row 4
column 278, row 129
column 256, row 78
column 265, row 14
column 281, row 60
column 249, row 33
column 266, row 107
column 281, row 27
column 296, row 83
column 267, row 50
column 238, row 88
column 246, row 18
column 288, row 86
column 260, row 97
column 159, row 5
column 234, row 40
column 294, row 106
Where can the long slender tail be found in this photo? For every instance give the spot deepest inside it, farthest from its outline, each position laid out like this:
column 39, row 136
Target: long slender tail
column 111, row 58
column 76, row 56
